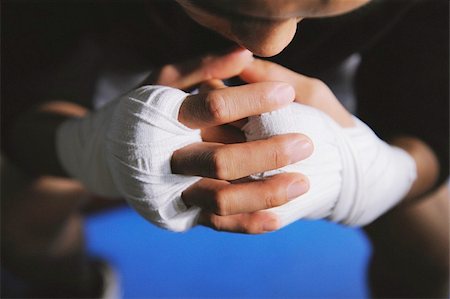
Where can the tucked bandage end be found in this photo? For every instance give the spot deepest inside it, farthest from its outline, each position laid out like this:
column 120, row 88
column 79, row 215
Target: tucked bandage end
column 354, row 176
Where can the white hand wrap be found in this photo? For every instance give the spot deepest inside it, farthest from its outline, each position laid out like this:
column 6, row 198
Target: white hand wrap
column 354, row 176
column 124, row 150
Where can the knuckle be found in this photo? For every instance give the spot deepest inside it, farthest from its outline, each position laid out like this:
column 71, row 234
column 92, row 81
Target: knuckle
column 175, row 162
column 318, row 84
column 221, row 203
column 265, row 94
column 280, row 156
column 167, row 74
column 320, row 91
column 215, row 223
column 273, row 71
column 219, row 164
column 270, row 67
column 252, row 227
column 205, row 69
column 271, row 200
column 217, row 108
column 207, row 159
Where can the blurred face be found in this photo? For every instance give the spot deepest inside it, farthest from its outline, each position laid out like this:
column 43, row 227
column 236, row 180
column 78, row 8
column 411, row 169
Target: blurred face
column 265, row 27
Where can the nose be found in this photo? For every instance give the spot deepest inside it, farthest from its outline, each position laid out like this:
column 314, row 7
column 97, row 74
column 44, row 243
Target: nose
column 265, row 39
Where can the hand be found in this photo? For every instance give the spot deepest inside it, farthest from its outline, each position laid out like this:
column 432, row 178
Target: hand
column 308, row 91
column 188, row 74
column 315, row 93
column 355, row 177
column 227, row 206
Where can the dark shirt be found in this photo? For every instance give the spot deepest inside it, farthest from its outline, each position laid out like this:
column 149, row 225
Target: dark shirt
column 59, row 50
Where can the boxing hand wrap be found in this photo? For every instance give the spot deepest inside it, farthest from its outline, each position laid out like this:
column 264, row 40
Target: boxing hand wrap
column 354, row 176
column 124, row 150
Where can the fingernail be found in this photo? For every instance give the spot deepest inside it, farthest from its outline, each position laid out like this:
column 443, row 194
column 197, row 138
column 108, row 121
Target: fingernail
column 300, row 149
column 296, row 189
column 270, row 225
column 284, row 94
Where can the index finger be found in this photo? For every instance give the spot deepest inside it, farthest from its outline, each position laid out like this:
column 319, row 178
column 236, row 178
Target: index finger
column 189, row 73
column 309, row 91
column 226, row 105
column 246, row 223
column 262, row 70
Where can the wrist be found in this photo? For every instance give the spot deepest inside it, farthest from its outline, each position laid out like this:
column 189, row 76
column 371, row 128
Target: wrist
column 426, row 164
column 80, row 146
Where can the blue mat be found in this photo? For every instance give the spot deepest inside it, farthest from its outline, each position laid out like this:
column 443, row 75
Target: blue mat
column 309, row 259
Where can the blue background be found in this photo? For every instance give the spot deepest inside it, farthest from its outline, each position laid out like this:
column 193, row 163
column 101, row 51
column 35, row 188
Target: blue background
column 308, row 259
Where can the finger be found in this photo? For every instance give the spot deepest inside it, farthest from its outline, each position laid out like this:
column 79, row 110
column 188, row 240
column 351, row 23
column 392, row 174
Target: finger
column 308, row 91
column 211, row 85
column 234, row 161
column 261, row 70
column 247, row 223
column 226, row 105
column 306, row 88
column 229, row 133
column 218, row 84
column 223, row 198
column 190, row 73
column 226, row 134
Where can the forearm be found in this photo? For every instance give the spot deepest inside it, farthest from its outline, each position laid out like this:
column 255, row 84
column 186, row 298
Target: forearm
column 427, row 165
column 33, row 144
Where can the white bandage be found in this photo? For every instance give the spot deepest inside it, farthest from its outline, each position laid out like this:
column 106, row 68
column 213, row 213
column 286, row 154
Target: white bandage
column 354, row 176
column 124, row 150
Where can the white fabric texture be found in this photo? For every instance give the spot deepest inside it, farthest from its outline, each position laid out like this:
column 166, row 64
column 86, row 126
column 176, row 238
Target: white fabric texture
column 124, row 150
column 354, row 176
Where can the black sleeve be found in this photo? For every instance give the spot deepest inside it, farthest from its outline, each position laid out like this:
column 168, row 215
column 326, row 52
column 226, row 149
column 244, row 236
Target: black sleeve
column 402, row 84
column 39, row 43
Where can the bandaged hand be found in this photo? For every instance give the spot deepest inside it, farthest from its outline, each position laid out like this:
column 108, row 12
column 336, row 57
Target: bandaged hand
column 135, row 147
column 354, row 176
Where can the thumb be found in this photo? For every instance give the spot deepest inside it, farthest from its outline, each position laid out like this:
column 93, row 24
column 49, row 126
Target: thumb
column 261, row 70
column 209, row 85
column 187, row 74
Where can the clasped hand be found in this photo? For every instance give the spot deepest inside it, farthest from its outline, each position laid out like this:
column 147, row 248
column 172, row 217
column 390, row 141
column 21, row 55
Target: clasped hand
column 181, row 159
column 223, row 157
